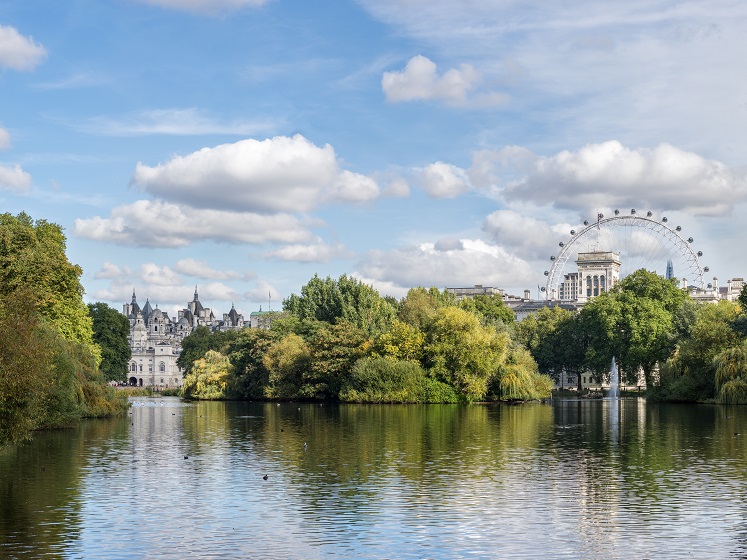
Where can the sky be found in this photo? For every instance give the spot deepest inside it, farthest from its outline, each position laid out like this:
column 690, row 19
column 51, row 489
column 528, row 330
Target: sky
column 243, row 146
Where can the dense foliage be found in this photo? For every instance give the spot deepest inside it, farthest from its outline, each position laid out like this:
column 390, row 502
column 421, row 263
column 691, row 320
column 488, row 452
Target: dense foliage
column 111, row 331
column 340, row 340
column 686, row 351
column 49, row 362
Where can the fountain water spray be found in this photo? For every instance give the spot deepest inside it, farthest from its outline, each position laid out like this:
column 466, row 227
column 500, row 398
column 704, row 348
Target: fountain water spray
column 614, row 381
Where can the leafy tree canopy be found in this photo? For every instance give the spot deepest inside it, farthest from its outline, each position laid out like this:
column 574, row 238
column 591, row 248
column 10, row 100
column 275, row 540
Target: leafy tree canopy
column 111, row 331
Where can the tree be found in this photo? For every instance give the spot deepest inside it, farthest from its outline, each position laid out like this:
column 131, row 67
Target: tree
column 286, row 361
column 402, row 342
column 544, row 335
column 421, row 304
column 32, row 257
column 490, row 307
column 25, row 366
column 462, row 353
column 731, row 375
column 246, row 351
column 209, row 377
column 196, row 344
column 345, row 299
column 111, row 332
column 334, row 349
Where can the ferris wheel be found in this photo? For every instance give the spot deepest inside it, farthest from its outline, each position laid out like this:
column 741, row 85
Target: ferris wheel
column 640, row 241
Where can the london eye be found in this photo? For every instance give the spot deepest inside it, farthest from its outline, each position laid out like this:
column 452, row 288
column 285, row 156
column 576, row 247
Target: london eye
column 641, row 241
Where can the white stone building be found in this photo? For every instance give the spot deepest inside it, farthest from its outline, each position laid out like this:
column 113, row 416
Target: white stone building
column 155, row 339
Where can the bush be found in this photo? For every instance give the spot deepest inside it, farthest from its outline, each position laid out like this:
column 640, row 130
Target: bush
column 733, row 392
column 379, row 380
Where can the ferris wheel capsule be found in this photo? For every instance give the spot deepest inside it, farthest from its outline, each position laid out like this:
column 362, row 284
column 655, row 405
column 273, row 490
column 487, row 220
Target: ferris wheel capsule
column 573, row 232
column 649, row 214
column 664, row 219
column 617, row 212
column 632, row 211
column 678, row 228
column 552, row 258
column 700, row 253
column 706, row 269
column 586, row 222
column 561, row 244
column 547, row 273
column 689, row 239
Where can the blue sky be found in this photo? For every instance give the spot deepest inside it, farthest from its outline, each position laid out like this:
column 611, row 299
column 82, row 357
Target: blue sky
column 244, row 145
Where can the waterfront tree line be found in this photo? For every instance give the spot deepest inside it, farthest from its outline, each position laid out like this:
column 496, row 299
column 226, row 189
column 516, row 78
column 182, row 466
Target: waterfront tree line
column 687, row 351
column 50, row 362
column 339, row 340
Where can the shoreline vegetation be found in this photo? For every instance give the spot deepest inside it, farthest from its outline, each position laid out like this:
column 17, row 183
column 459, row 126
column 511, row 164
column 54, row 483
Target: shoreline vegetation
column 341, row 341
column 50, row 374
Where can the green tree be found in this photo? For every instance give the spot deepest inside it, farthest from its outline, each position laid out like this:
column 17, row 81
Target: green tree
column 402, row 342
column 334, row 349
column 420, row 305
column 546, row 335
column 490, row 307
column 690, row 373
column 246, row 351
column 197, row 343
column 346, row 299
column 25, row 366
column 731, row 375
column 32, row 257
column 462, row 353
column 286, row 361
column 209, row 378
column 111, row 331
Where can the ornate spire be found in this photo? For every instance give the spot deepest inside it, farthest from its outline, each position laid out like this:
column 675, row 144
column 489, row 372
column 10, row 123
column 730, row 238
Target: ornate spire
column 195, row 292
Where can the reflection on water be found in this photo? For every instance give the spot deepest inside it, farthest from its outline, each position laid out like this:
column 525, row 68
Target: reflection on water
column 578, row 478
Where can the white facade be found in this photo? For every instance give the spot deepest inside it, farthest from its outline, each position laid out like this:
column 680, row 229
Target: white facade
column 155, row 339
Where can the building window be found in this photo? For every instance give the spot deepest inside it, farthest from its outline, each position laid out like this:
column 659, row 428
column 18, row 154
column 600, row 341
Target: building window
column 161, row 368
column 133, row 366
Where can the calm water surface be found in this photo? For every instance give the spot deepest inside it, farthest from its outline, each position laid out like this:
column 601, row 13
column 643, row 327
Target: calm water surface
column 572, row 479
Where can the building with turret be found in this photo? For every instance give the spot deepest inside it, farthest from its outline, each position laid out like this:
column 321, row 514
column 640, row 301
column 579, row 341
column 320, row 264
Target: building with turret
column 155, row 339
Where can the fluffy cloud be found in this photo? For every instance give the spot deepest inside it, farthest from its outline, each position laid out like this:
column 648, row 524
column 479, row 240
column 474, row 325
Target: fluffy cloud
column 522, row 234
column 4, row 139
column 160, row 224
column 609, row 175
column 209, row 7
column 443, row 180
column 201, row 269
column 451, row 263
column 318, row 253
column 18, row 52
column 14, row 178
column 280, row 174
column 111, row 271
column 420, row 81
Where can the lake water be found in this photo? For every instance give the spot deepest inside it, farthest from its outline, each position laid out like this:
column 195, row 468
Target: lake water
column 571, row 479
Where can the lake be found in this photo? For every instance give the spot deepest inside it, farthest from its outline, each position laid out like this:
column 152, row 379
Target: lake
column 569, row 479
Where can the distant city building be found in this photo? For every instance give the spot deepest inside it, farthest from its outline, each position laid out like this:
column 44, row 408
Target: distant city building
column 155, row 339
column 476, row 290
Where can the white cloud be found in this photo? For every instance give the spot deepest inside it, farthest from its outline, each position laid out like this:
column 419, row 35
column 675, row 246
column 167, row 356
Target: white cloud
column 201, row 269
column 397, row 188
column 14, row 178
column 111, row 271
column 265, row 293
column 318, row 253
column 420, row 81
column 190, row 121
column 611, row 175
column 208, row 7
column 522, row 234
column 443, row 180
column 18, row 52
column 280, row 174
column 453, row 263
column 4, row 139
column 148, row 223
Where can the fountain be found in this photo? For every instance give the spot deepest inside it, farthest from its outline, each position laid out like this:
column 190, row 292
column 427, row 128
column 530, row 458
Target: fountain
column 614, row 391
